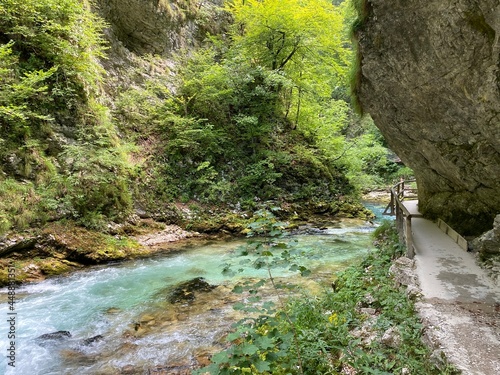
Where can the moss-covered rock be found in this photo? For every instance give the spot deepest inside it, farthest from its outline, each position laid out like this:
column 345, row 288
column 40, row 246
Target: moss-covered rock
column 63, row 247
column 88, row 247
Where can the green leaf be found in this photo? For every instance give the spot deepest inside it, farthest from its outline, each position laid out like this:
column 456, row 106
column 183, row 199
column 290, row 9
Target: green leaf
column 227, row 271
column 262, row 366
column 259, row 263
column 260, row 283
column 249, row 349
column 221, row 357
column 304, row 271
column 264, row 342
column 233, row 336
column 239, row 306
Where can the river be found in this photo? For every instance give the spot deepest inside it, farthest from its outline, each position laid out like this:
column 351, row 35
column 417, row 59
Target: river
column 118, row 320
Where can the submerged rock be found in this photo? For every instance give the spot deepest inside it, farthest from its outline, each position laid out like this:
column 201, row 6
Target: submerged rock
column 186, row 291
column 54, row 335
column 113, row 310
column 92, row 340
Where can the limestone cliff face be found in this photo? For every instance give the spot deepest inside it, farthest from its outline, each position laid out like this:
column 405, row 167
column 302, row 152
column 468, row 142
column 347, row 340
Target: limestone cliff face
column 430, row 78
column 161, row 26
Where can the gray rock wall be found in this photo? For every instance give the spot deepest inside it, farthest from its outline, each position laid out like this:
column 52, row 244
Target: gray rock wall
column 489, row 242
column 430, row 78
column 161, row 26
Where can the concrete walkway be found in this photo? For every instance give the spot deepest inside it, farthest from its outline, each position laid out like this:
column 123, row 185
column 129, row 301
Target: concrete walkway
column 460, row 305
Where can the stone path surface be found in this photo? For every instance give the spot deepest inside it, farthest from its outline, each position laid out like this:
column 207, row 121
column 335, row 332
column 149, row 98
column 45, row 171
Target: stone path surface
column 460, row 304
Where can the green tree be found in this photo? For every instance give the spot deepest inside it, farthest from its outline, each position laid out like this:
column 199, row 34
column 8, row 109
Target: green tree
column 304, row 40
column 279, row 34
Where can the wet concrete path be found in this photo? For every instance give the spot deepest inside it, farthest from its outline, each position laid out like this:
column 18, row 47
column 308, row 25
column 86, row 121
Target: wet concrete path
column 460, row 304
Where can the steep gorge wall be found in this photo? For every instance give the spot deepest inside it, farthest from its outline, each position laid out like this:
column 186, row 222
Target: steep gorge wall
column 144, row 35
column 159, row 27
column 430, row 78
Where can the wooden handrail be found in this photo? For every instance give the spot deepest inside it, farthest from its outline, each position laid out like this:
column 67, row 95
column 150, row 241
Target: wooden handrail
column 403, row 216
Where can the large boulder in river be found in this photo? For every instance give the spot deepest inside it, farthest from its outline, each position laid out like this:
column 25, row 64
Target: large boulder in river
column 186, row 291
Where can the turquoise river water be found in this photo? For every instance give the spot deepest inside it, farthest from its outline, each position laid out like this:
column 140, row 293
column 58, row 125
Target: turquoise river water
column 123, row 307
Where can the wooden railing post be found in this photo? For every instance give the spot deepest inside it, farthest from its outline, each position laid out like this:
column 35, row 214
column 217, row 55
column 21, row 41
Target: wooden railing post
column 400, row 222
column 393, row 203
column 410, row 251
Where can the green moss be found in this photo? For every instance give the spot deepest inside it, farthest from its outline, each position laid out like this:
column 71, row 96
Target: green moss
column 210, row 219
column 52, row 267
column 363, row 10
column 477, row 21
column 25, row 270
column 356, row 76
column 4, row 276
column 90, row 247
column 353, row 209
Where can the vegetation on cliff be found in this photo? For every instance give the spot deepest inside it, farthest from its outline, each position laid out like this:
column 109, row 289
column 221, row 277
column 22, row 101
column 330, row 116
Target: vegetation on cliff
column 261, row 113
column 60, row 154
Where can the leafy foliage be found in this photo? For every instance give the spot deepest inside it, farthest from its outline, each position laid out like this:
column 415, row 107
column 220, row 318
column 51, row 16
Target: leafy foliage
column 259, row 114
column 316, row 334
column 261, row 341
column 57, row 139
column 225, row 137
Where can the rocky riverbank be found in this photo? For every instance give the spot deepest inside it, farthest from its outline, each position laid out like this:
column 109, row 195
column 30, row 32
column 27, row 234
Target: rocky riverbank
column 60, row 248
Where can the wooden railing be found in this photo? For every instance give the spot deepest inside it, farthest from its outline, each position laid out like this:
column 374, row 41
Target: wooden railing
column 399, row 192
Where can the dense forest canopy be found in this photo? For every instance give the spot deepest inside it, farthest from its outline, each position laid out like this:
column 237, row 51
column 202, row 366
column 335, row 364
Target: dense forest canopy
column 260, row 113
